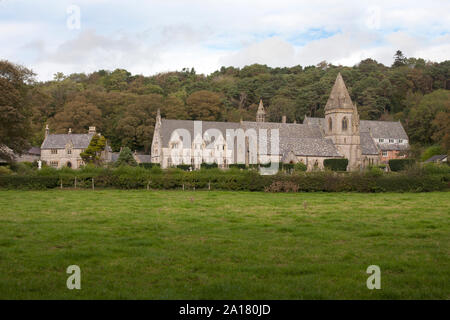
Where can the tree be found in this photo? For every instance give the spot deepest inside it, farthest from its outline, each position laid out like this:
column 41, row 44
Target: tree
column 204, row 105
column 399, row 59
column 15, row 110
column 92, row 154
column 126, row 158
column 441, row 125
column 77, row 114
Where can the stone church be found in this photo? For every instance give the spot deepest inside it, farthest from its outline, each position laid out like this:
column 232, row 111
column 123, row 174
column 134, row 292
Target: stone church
column 341, row 134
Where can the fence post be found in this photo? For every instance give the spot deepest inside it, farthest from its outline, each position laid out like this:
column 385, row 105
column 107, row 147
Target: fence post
column 209, row 185
column 148, row 185
column 75, row 182
column 93, row 188
column 183, row 186
column 61, row 183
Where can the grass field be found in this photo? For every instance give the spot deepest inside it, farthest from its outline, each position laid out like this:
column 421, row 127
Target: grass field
column 223, row 245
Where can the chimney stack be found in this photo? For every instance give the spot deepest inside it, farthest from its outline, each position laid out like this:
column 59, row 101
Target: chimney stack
column 47, row 130
column 91, row 129
column 283, row 119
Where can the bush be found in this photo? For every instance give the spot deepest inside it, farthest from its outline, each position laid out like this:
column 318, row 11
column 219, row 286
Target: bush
column 148, row 165
column 431, row 151
column 28, row 182
column 208, row 165
column 336, row 164
column 4, row 171
column 401, row 164
column 300, row 167
column 238, row 165
column 184, row 167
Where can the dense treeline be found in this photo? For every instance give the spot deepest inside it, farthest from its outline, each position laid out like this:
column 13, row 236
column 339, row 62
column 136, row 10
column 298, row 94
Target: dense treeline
column 123, row 106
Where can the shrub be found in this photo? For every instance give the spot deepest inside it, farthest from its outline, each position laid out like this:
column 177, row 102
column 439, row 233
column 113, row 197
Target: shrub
column 149, row 165
column 401, row 164
column 184, row 167
column 336, row 164
column 205, row 165
column 28, row 182
column 300, row 167
column 431, row 151
column 237, row 165
column 4, row 171
column 125, row 158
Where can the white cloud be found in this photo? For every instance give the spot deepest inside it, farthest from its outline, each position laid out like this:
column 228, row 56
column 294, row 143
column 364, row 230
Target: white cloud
column 153, row 36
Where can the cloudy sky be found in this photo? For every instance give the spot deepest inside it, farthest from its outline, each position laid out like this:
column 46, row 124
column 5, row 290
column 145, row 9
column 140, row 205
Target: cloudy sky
column 147, row 37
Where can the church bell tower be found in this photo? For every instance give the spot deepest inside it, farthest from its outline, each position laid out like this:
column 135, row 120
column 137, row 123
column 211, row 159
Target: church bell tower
column 342, row 124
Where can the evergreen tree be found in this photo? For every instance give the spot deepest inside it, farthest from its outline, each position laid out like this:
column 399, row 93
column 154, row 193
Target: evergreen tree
column 92, row 154
column 126, row 158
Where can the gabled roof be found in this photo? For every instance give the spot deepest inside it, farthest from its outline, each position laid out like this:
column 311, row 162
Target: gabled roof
column 384, row 129
column 319, row 147
column 368, row 146
column 440, row 157
column 59, row 141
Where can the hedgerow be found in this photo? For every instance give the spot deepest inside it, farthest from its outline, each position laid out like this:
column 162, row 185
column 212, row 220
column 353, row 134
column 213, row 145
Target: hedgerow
column 125, row 177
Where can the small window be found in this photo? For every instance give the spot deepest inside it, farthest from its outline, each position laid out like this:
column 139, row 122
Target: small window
column 400, row 140
column 344, row 124
column 330, row 124
column 380, row 140
column 385, row 153
column 69, row 151
column 391, row 140
column 54, row 151
column 54, row 164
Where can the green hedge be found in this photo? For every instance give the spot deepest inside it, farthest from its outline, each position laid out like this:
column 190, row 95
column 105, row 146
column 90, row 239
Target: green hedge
column 184, row 167
column 28, row 182
column 208, row 165
column 336, row 164
column 401, row 164
column 149, row 165
column 249, row 180
column 237, row 166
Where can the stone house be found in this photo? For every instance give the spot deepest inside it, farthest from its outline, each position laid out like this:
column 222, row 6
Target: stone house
column 63, row 150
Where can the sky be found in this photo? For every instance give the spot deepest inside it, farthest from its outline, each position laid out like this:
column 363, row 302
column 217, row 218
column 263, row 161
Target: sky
column 149, row 37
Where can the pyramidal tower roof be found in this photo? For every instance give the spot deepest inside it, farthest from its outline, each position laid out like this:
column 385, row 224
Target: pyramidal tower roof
column 339, row 97
column 261, row 107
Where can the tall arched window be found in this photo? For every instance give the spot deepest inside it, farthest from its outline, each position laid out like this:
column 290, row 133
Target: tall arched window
column 344, row 124
column 330, row 124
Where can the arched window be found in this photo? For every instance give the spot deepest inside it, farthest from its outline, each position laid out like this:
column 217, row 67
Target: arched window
column 344, row 124
column 330, row 124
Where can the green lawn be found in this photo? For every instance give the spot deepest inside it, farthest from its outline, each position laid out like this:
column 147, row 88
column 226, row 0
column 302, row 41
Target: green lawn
column 223, row 245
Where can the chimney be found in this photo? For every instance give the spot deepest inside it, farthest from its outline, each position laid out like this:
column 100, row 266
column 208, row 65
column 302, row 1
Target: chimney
column 91, row 129
column 47, row 130
column 70, row 131
column 283, row 119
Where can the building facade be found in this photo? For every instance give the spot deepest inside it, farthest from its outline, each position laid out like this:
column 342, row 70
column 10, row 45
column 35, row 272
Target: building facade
column 340, row 134
column 63, row 150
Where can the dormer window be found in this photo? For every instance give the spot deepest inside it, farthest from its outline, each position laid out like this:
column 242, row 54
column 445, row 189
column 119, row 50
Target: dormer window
column 69, row 151
column 381, row 140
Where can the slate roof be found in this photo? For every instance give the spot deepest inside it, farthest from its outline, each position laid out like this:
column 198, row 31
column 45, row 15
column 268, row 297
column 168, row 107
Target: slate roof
column 437, row 158
column 143, row 158
column 35, row 151
column 309, row 147
column 368, row 146
column 384, row 129
column 300, row 138
column 59, row 141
